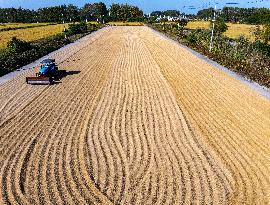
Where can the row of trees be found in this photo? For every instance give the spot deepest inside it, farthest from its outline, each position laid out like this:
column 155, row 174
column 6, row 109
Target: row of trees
column 125, row 12
column 71, row 13
column 243, row 15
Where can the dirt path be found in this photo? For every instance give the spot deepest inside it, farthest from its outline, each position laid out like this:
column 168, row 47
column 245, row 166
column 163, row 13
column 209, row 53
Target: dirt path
column 138, row 120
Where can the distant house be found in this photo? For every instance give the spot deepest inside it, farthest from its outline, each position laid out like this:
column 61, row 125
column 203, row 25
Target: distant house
column 170, row 18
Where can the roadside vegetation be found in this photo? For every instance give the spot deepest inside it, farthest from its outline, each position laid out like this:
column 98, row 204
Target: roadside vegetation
column 240, row 42
column 251, row 59
column 20, row 52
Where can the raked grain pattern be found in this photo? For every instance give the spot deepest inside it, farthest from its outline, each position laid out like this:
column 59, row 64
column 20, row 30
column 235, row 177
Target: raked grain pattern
column 139, row 121
column 233, row 120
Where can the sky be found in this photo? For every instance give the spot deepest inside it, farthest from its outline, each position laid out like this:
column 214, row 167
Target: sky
column 146, row 5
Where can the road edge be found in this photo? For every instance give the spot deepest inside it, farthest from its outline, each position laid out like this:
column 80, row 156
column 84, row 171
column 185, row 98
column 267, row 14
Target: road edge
column 19, row 71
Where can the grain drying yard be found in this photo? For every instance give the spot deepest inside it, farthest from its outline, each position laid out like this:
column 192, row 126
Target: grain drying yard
column 137, row 120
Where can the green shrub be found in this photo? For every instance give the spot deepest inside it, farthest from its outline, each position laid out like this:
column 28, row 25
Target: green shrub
column 20, row 53
column 17, row 45
column 220, row 26
column 266, row 33
column 77, row 28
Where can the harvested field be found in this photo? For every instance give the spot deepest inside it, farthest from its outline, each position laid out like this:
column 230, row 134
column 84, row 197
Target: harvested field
column 137, row 120
column 31, row 34
column 20, row 25
column 234, row 30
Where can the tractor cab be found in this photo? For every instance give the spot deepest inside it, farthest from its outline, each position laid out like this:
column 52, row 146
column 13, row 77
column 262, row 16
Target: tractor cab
column 48, row 68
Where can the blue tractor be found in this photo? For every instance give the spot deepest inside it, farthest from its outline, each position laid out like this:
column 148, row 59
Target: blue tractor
column 46, row 75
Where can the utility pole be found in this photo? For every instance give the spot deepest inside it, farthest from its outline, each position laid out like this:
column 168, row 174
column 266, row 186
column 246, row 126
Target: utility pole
column 63, row 18
column 213, row 29
column 65, row 32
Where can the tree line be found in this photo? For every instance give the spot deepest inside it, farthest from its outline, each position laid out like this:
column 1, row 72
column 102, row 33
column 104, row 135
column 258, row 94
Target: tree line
column 71, row 13
column 242, row 15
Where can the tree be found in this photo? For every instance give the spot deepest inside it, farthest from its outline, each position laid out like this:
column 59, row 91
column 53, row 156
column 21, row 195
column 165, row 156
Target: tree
column 77, row 28
column 21, row 15
column 57, row 14
column 125, row 12
column 205, row 13
column 53, row 14
column 259, row 16
column 262, row 33
column 152, row 19
column 93, row 12
column 157, row 13
column 220, row 26
column 17, row 45
column 101, row 9
column 163, row 22
column 182, row 23
column 172, row 13
column 72, row 13
column 257, row 32
column 235, row 14
column 266, row 33
column 87, row 12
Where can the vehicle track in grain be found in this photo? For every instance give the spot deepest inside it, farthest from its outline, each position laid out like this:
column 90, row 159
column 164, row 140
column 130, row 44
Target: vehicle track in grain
column 139, row 121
